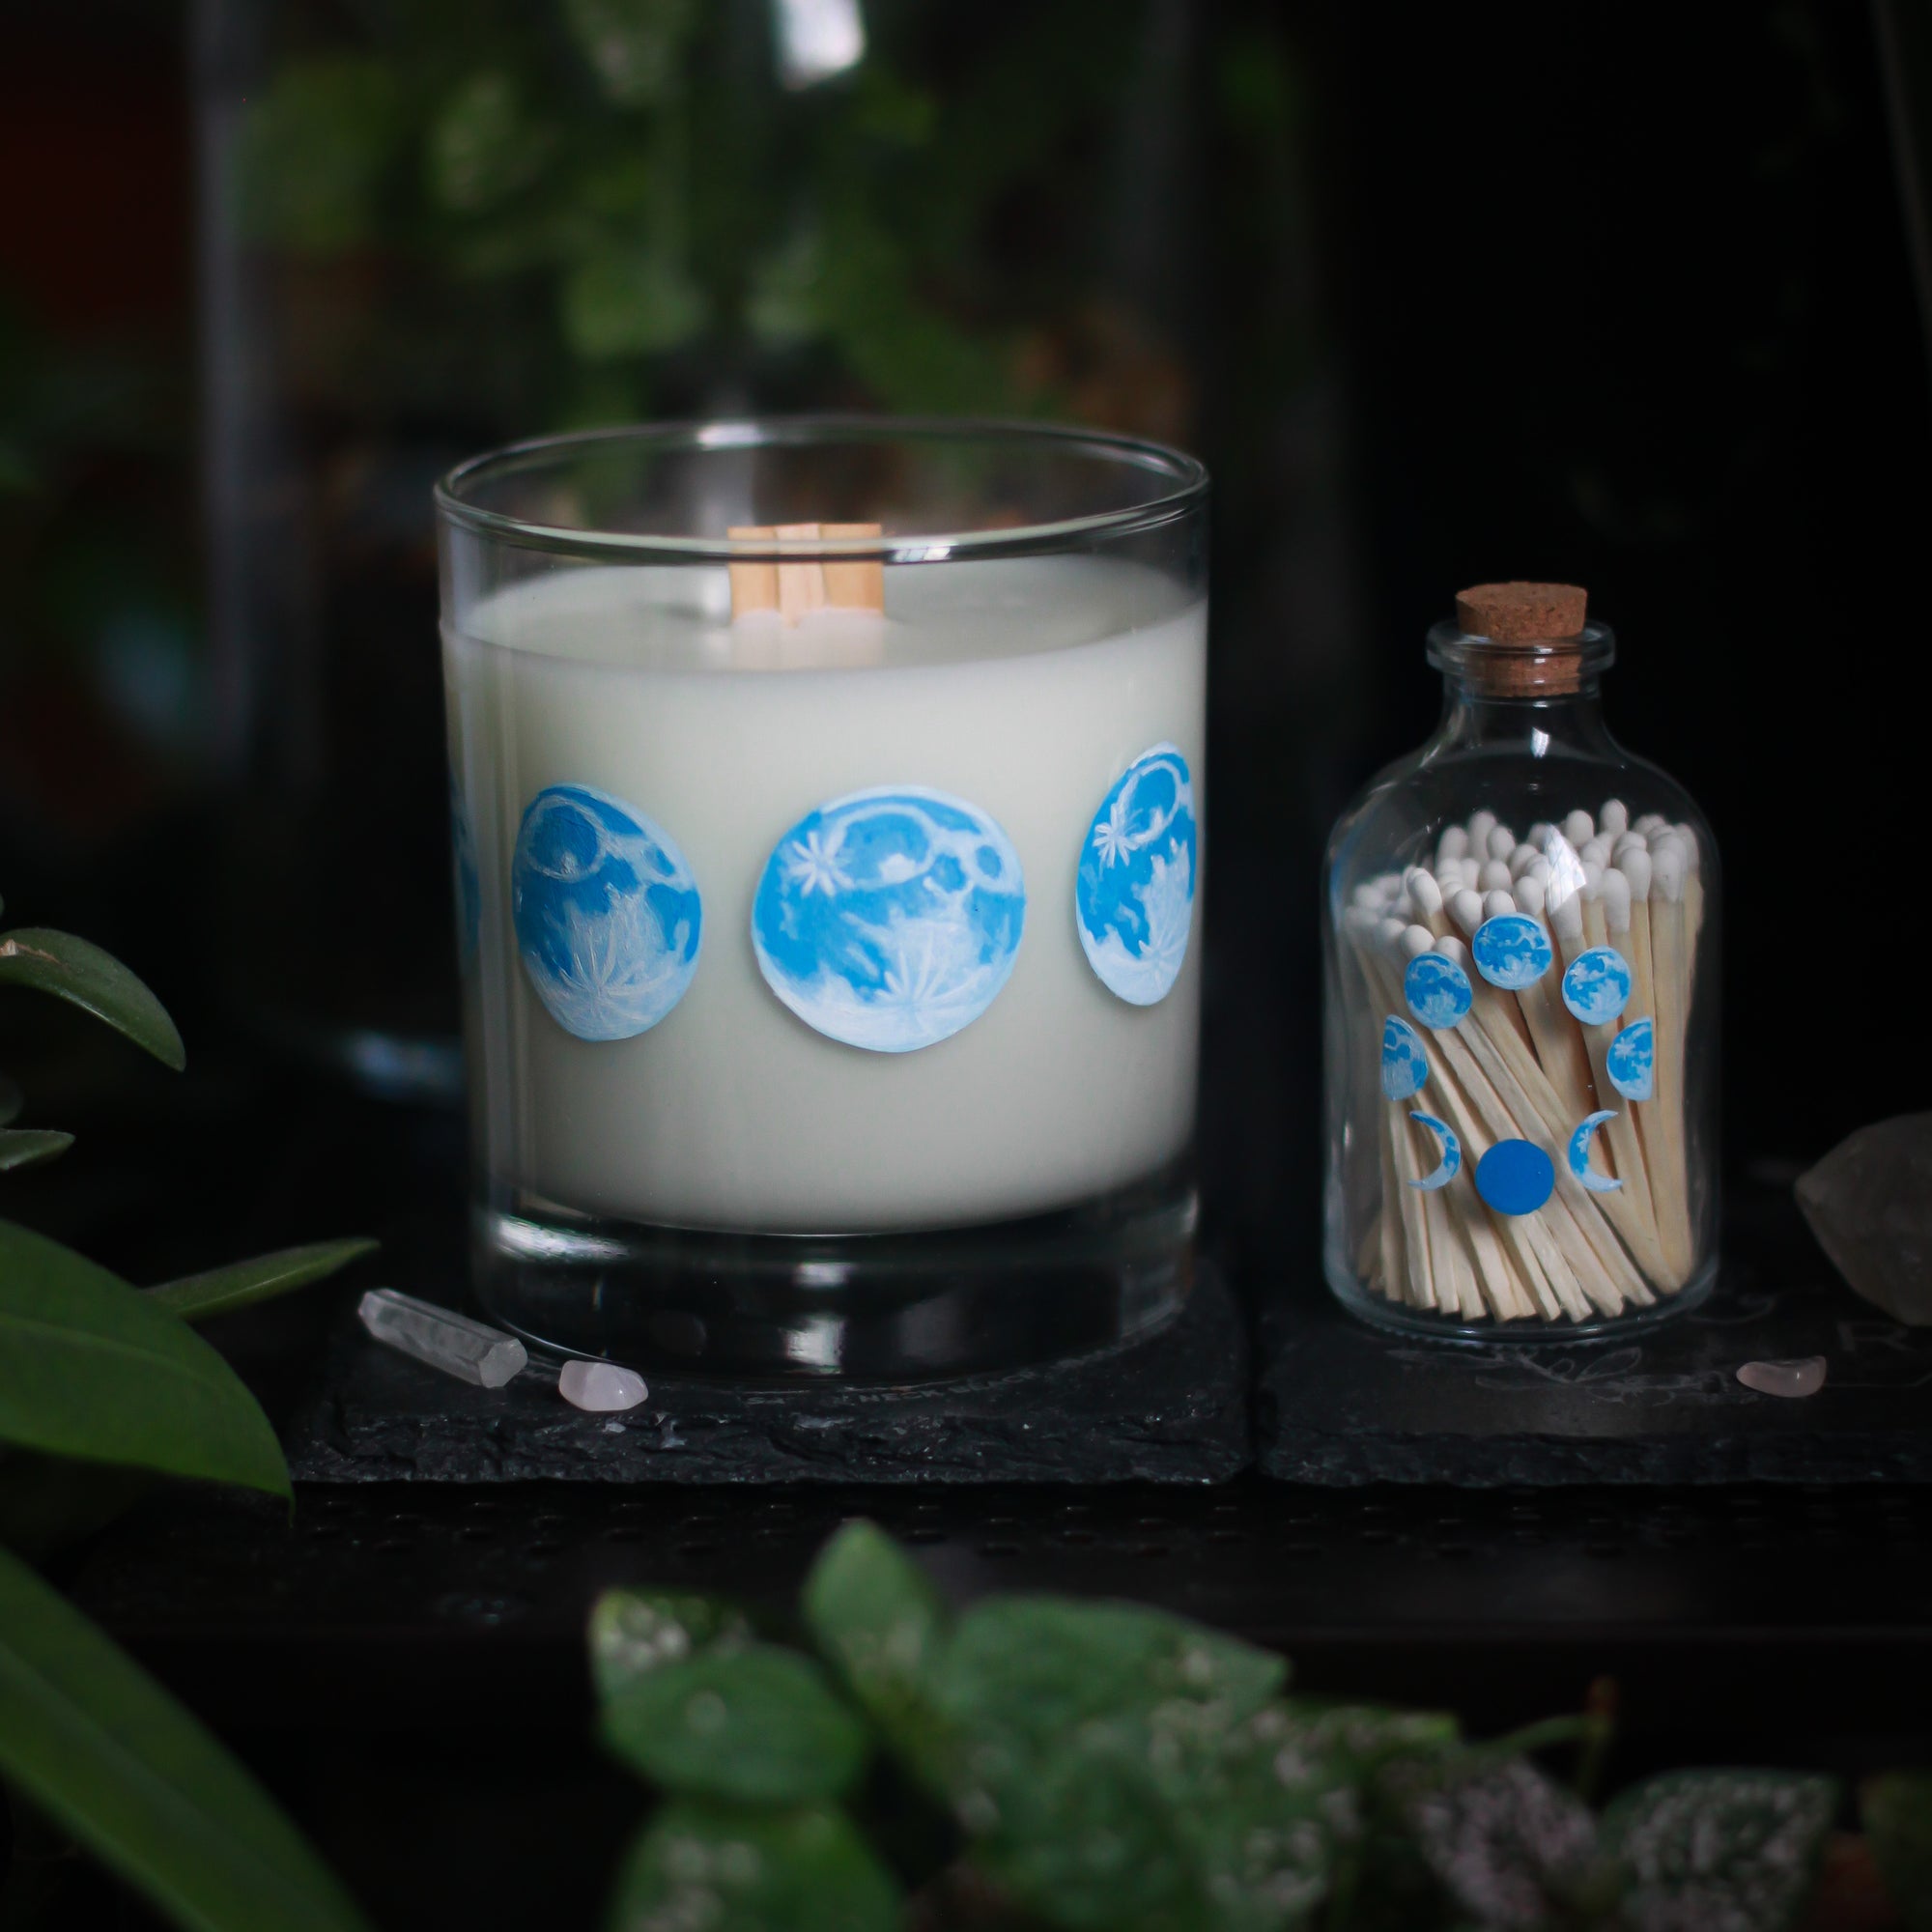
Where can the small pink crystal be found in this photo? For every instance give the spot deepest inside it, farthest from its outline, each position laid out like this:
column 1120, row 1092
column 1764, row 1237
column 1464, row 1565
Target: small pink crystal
column 601, row 1386
column 1804, row 1377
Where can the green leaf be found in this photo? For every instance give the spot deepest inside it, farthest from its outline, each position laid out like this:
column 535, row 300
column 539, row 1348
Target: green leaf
column 314, row 151
column 29, row 1147
column 747, row 1872
column 635, row 1632
column 194, row 1298
column 78, row 971
column 92, row 1368
column 102, row 1748
column 482, row 145
column 633, row 46
column 1898, row 1813
column 629, row 301
column 1725, row 1851
column 877, row 1616
column 753, row 1723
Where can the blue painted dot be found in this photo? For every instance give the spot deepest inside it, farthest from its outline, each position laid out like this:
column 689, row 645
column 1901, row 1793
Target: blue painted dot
column 1437, row 990
column 1516, row 1177
column 1511, row 950
column 1404, row 1062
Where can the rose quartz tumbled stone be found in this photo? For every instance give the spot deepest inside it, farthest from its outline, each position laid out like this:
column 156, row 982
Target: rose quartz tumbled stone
column 601, row 1386
column 1802, row 1376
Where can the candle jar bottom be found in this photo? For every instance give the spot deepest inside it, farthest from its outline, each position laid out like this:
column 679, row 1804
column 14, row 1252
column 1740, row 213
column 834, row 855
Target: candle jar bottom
column 882, row 1308
column 1401, row 1320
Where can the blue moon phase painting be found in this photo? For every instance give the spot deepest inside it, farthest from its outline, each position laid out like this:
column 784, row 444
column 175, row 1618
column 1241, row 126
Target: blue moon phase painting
column 1510, row 950
column 1579, row 1156
column 1597, row 986
column 1133, row 893
column 1516, row 1177
column 1404, row 1063
column 1437, row 991
column 1450, row 1165
column 891, row 917
column 1630, row 1061
column 608, row 916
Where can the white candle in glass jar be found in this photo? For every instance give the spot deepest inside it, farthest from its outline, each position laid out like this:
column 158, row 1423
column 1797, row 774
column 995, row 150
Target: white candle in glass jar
column 1023, row 687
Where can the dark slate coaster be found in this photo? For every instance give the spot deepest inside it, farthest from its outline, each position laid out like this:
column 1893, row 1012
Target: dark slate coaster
column 1171, row 1407
column 1341, row 1403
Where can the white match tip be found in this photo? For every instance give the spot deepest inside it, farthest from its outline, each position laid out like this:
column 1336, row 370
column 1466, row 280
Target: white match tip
column 1629, row 842
column 1494, row 877
column 1636, row 866
column 1452, row 948
column 1651, row 822
column 1416, row 939
column 1467, row 909
column 1597, row 852
column 1530, row 895
column 1615, row 816
column 1538, row 833
column 1481, row 825
column 1667, row 871
column 1593, row 879
column 1579, row 827
column 1502, row 843
column 1388, row 934
column 1566, row 918
column 1453, row 843
column 1368, row 895
column 1616, row 901
column 1495, row 904
column 1693, row 856
column 1523, row 859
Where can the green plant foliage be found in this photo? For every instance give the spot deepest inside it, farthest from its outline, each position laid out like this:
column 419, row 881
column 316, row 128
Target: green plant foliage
column 80, row 972
column 31, row 1146
column 195, row 1298
column 483, row 145
column 632, row 47
column 1898, row 1813
column 635, row 1632
column 92, row 1368
column 728, row 1870
column 107, row 1753
column 750, row 1722
column 315, row 150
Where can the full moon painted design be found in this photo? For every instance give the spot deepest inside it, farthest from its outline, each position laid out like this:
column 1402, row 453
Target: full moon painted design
column 1510, row 950
column 1437, row 991
column 606, row 914
column 890, row 918
column 1134, row 894
column 1597, row 986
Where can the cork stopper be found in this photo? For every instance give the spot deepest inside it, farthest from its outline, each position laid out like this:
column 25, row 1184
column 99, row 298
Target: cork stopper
column 1530, row 636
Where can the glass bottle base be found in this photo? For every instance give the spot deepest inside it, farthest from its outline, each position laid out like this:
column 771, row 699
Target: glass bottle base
column 1400, row 1318
column 896, row 1308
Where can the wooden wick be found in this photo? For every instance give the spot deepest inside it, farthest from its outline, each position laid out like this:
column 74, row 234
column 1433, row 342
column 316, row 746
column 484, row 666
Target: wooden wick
column 812, row 584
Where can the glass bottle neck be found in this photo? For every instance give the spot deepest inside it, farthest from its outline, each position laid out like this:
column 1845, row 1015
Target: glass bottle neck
column 1476, row 719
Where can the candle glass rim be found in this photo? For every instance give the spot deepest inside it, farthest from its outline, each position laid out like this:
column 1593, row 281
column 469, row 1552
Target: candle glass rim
column 1185, row 475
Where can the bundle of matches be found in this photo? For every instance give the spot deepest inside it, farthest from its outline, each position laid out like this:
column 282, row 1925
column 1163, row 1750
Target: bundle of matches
column 1531, row 1146
column 812, row 584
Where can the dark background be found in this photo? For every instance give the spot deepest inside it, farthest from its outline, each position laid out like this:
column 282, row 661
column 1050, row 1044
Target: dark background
column 1626, row 299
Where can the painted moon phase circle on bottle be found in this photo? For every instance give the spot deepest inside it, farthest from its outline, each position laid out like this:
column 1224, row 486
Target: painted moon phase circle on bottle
column 1630, row 1061
column 606, row 914
column 891, row 917
column 1404, row 1063
column 1516, row 1177
column 1450, row 1164
column 1597, row 985
column 1579, row 1154
column 1133, row 893
column 1510, row 950
column 1437, row 990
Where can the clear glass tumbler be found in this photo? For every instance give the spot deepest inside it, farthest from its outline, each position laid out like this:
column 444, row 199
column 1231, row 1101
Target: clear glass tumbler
column 827, row 807
column 1522, row 1026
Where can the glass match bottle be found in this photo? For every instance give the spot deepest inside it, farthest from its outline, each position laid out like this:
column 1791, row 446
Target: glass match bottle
column 1521, row 926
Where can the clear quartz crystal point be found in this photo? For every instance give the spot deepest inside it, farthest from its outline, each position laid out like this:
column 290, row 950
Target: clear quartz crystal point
column 601, row 1386
column 470, row 1350
column 1805, row 1376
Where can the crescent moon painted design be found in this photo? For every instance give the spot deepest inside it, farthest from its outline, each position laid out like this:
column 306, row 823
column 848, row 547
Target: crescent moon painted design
column 1597, row 986
column 1630, row 1061
column 1451, row 1164
column 1510, row 950
column 1404, row 1063
column 1579, row 1156
column 1437, row 991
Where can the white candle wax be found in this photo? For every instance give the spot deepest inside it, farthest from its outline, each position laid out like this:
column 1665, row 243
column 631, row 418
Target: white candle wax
column 1026, row 686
